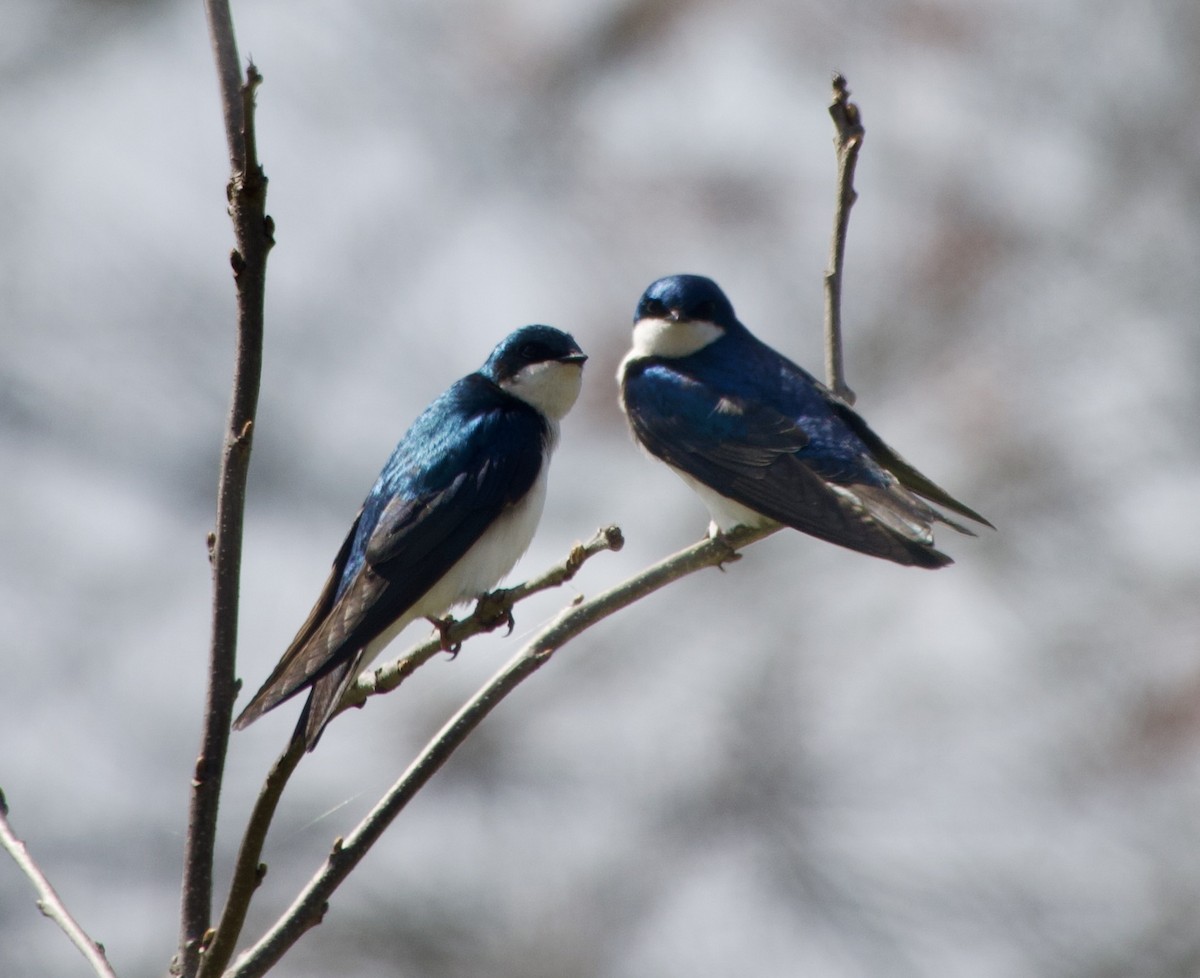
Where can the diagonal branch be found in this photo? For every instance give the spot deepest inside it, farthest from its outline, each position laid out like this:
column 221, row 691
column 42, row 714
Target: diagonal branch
column 309, row 907
column 49, row 901
column 491, row 611
column 248, row 872
column 850, row 132
column 253, row 233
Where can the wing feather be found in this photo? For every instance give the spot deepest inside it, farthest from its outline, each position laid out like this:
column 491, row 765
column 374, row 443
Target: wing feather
column 418, row 522
column 756, row 455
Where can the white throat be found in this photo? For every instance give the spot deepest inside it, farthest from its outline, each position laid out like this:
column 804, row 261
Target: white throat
column 551, row 387
column 672, row 338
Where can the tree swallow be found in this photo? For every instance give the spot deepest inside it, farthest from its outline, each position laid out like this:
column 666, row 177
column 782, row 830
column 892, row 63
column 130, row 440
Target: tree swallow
column 760, row 440
column 453, row 510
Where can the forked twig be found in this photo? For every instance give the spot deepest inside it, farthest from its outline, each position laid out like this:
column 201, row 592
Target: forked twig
column 491, row 611
column 310, row 905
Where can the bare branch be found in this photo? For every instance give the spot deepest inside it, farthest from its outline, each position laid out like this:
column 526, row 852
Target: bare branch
column 310, row 905
column 850, row 132
column 492, row 611
column 248, row 872
column 49, row 902
column 253, row 233
column 229, row 76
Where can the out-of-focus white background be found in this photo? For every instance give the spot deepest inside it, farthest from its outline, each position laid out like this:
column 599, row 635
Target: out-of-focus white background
column 812, row 764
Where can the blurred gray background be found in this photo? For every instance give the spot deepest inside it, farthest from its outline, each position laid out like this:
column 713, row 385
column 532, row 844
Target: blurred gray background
column 812, row 764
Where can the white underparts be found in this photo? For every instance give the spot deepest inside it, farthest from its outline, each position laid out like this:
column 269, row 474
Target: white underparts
column 480, row 569
column 726, row 513
column 550, row 387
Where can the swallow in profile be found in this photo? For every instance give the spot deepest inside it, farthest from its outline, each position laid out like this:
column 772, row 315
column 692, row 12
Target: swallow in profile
column 761, row 441
column 452, row 511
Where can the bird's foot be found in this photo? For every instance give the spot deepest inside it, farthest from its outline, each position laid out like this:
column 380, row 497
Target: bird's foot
column 716, row 535
column 495, row 609
column 443, row 626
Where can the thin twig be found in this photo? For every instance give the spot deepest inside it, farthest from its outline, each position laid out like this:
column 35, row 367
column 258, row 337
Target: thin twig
column 848, row 122
column 49, row 902
column 491, row 611
column 248, row 872
column 253, row 234
column 229, row 77
column 310, row 905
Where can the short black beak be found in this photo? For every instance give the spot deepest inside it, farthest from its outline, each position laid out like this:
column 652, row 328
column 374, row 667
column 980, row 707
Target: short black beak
column 579, row 358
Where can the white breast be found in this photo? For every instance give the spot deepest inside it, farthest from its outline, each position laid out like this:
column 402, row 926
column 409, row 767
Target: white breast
column 482, row 567
column 495, row 553
column 726, row 513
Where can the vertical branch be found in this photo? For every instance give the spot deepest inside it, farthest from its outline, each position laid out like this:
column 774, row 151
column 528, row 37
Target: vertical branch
column 848, row 141
column 253, row 236
column 229, row 77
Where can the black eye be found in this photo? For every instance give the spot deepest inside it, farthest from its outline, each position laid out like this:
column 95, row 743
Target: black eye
column 656, row 308
column 531, row 352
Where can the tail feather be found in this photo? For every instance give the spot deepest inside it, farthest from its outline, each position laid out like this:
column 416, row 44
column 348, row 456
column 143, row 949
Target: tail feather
column 897, row 514
column 323, row 699
column 908, row 476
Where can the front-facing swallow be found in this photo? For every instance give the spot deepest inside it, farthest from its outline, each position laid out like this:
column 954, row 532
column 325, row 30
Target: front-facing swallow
column 452, row 511
column 760, row 440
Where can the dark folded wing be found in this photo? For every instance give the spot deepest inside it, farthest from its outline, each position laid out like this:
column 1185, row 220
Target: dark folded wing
column 754, row 454
column 279, row 685
column 434, row 515
column 909, row 477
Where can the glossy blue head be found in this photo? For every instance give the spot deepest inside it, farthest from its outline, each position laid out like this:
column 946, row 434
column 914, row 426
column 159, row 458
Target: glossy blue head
column 679, row 315
column 541, row 365
column 686, row 298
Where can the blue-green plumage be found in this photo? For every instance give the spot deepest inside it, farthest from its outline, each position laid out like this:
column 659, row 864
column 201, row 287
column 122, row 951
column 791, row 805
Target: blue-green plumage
column 761, row 439
column 452, row 511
